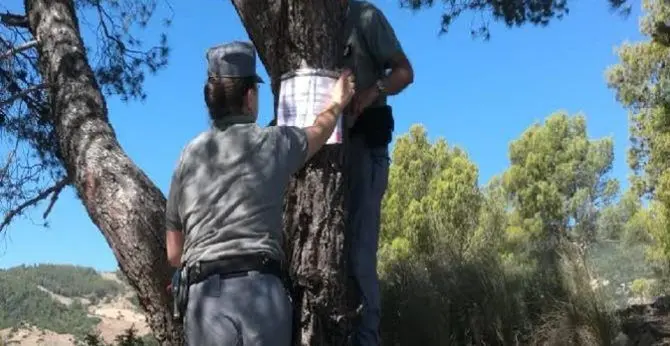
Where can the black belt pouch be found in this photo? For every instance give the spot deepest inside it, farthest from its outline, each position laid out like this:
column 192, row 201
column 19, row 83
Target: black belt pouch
column 376, row 125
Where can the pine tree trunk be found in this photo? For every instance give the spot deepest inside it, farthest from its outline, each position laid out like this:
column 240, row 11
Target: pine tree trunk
column 120, row 199
column 286, row 32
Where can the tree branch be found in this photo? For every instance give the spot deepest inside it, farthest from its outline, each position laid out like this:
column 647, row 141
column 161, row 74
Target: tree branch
column 54, row 197
column 18, row 49
column 22, row 94
column 15, row 20
column 53, row 190
column 10, row 158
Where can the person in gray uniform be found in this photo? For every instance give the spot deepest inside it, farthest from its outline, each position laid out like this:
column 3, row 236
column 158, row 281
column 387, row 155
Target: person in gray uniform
column 371, row 51
column 224, row 207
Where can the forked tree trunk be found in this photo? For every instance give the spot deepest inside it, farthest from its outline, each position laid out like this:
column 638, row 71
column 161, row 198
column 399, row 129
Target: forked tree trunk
column 286, row 32
column 129, row 209
column 120, row 199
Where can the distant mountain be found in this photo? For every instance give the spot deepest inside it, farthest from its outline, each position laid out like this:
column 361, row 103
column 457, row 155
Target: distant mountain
column 59, row 305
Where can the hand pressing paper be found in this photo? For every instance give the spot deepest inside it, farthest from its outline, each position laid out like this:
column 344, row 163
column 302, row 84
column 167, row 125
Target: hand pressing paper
column 303, row 94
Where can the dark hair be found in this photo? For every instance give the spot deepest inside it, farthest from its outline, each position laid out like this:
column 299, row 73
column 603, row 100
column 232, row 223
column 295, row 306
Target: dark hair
column 225, row 96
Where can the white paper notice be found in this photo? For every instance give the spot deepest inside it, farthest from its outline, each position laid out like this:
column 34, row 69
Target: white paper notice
column 304, row 94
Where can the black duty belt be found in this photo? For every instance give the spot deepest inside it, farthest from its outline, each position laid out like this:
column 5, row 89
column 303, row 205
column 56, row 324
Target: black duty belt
column 234, row 266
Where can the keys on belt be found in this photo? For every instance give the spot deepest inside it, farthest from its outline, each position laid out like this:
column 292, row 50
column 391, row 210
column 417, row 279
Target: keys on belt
column 179, row 287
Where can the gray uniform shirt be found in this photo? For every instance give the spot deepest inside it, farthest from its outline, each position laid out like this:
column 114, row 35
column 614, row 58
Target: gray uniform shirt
column 370, row 45
column 227, row 190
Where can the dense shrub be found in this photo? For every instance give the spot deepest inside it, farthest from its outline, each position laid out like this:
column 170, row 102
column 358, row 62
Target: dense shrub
column 481, row 302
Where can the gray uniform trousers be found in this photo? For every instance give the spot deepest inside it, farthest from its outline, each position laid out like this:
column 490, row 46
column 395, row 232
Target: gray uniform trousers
column 368, row 171
column 252, row 310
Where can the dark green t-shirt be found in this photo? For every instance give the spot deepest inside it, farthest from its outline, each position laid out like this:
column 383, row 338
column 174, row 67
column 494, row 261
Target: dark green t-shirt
column 371, row 44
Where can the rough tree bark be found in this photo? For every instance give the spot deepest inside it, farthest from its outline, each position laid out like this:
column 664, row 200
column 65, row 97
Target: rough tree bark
column 286, row 32
column 120, row 199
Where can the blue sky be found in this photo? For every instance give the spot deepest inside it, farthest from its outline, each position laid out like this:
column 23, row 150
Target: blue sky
column 477, row 95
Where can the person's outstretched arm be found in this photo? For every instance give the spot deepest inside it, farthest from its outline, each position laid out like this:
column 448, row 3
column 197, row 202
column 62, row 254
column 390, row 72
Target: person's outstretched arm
column 325, row 122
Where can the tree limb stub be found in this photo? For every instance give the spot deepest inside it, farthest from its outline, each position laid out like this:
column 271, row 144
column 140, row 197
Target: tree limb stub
column 18, row 49
column 15, row 20
column 286, row 32
column 125, row 205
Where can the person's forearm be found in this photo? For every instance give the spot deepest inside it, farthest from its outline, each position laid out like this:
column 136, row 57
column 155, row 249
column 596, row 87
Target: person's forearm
column 327, row 119
column 322, row 128
column 174, row 243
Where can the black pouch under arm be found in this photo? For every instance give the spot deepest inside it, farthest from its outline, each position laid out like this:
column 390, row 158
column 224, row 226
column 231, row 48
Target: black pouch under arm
column 376, row 125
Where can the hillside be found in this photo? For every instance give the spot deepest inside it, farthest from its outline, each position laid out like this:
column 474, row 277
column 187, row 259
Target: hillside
column 60, row 304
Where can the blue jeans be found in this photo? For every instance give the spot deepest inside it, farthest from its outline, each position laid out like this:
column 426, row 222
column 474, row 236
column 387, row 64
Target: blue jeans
column 252, row 310
column 368, row 171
